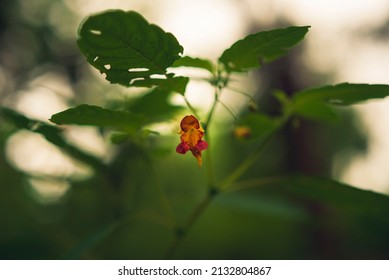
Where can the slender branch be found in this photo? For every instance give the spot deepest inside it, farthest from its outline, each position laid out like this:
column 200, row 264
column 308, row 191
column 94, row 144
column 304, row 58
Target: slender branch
column 208, row 139
column 213, row 107
column 241, row 92
column 229, row 110
column 182, row 232
column 191, row 108
column 209, row 164
column 246, row 164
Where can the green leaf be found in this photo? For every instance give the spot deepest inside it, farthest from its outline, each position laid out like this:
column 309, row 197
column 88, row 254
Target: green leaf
column 261, row 47
column 342, row 94
column 282, row 98
column 97, row 116
column 335, row 194
column 303, row 189
column 317, row 111
column 51, row 133
column 194, row 62
column 119, row 137
column 257, row 205
column 155, row 105
column 125, row 47
column 177, row 84
column 254, row 126
column 314, row 103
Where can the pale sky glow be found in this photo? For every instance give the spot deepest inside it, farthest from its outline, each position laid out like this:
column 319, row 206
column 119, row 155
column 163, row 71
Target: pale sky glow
column 336, row 14
column 337, row 43
column 204, row 28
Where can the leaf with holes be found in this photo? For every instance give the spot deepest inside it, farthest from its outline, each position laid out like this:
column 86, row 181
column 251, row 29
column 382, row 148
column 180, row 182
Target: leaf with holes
column 125, row 47
column 260, row 47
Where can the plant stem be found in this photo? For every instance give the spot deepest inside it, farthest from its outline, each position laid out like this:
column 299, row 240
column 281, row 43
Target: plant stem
column 208, row 138
column 246, row 164
column 215, row 101
column 182, row 232
column 229, row 110
column 241, row 92
column 209, row 164
column 191, row 108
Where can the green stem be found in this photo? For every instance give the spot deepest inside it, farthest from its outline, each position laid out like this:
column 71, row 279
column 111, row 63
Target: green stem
column 191, row 108
column 229, row 110
column 209, row 164
column 210, row 115
column 208, row 138
column 252, row 158
column 182, row 232
column 246, row 164
column 241, row 92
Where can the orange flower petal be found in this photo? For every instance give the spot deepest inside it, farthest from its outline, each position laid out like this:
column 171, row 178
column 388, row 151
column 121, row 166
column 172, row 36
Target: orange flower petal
column 192, row 136
column 189, row 122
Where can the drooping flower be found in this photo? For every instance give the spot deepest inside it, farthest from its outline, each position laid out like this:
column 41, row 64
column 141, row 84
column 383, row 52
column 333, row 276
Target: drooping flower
column 191, row 138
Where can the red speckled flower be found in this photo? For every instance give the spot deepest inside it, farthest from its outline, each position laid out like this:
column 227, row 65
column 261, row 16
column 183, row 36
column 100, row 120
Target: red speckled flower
column 191, row 138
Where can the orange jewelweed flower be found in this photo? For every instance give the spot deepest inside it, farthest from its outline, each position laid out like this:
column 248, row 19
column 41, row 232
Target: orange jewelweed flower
column 191, row 138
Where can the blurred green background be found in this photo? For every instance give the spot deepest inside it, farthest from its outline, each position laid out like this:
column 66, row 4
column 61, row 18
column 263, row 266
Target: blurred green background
column 107, row 201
